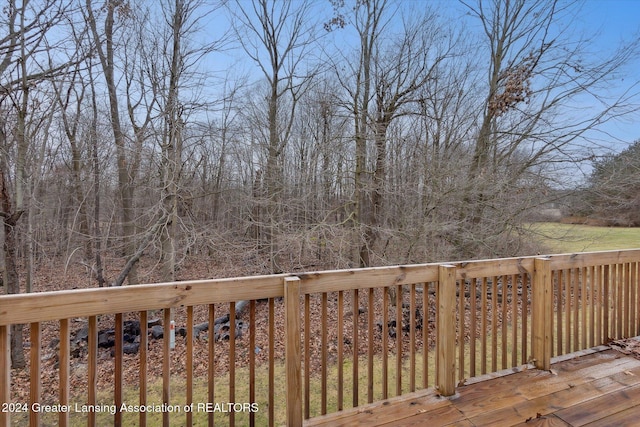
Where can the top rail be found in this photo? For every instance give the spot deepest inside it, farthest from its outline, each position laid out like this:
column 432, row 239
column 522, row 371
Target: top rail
column 38, row 307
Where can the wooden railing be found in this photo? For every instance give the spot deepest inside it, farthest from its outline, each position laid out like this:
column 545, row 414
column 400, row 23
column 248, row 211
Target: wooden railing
column 315, row 343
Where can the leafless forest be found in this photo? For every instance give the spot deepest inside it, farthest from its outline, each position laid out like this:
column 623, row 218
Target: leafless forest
column 287, row 135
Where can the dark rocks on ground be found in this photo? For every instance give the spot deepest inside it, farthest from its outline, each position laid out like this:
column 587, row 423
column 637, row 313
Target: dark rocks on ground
column 155, row 330
column 392, row 325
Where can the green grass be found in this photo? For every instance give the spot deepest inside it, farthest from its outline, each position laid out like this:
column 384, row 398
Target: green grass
column 200, row 394
column 569, row 238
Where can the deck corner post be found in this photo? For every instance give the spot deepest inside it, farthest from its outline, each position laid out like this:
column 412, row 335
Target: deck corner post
column 542, row 312
column 292, row 351
column 446, row 330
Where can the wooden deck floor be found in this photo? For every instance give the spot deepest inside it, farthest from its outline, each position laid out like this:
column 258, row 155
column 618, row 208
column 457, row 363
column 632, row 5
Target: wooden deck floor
column 599, row 388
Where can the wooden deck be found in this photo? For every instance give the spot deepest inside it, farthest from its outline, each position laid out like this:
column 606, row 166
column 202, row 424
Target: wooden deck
column 594, row 388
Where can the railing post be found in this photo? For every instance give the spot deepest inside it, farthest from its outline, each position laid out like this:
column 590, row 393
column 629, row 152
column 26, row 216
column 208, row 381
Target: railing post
column 542, row 313
column 446, row 330
column 5, row 374
column 292, row 351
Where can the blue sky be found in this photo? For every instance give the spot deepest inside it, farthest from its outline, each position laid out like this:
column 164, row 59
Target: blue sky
column 616, row 21
column 617, row 18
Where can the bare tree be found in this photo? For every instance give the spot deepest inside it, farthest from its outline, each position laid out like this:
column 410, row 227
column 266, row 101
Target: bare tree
column 385, row 84
column 26, row 29
column 612, row 195
column 537, row 72
column 71, row 100
column 104, row 43
column 168, row 59
column 403, row 65
column 369, row 20
column 276, row 36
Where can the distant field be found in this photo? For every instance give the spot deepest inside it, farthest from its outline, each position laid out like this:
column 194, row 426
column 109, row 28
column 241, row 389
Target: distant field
column 563, row 238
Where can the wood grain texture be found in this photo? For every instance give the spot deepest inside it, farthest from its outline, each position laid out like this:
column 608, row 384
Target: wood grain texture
column 292, row 352
column 26, row 308
column 446, row 330
column 597, row 388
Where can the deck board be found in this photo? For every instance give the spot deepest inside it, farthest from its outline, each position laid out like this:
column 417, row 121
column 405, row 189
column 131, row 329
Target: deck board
column 604, row 406
column 544, row 421
column 626, row 418
column 598, row 389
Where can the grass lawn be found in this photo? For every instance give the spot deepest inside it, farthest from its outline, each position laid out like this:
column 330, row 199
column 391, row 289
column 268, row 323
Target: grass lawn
column 565, row 238
column 200, row 395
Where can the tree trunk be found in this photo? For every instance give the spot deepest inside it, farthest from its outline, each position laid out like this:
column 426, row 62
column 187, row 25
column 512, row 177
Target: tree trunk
column 125, row 182
column 97, row 234
column 10, row 220
column 172, row 149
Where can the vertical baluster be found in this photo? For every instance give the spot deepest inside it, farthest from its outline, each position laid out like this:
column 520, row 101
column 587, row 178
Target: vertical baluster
column 504, row 305
column 252, row 360
column 211, row 396
column 118, row 365
column 272, row 343
column 323, row 355
column 307, row 356
column 189, row 344
column 35, row 382
column 63, row 364
column 592, row 305
column 232, row 360
column 525, row 317
column 617, row 283
column 370, row 346
column 606, row 285
column 166, row 366
column 426, row 319
column 627, row 298
column 340, row 350
column 399, row 300
column 385, row 343
column 561, row 300
column 576, row 309
column 483, row 332
column 494, row 324
column 5, row 373
column 473, row 335
column 92, row 362
column 437, row 322
column 354, row 343
column 461, row 327
column 634, row 299
column 597, row 304
column 143, row 357
column 514, row 320
column 617, row 301
column 584, row 297
column 567, row 305
column 412, row 337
